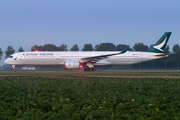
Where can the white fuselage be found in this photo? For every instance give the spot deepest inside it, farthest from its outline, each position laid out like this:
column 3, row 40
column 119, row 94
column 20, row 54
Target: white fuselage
column 59, row 58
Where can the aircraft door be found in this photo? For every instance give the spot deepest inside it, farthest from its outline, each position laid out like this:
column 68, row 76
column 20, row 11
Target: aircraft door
column 140, row 56
column 58, row 56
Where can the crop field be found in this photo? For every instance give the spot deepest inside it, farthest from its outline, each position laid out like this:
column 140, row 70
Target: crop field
column 90, row 95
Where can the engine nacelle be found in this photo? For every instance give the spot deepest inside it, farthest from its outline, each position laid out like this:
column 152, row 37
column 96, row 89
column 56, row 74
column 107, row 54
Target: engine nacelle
column 71, row 64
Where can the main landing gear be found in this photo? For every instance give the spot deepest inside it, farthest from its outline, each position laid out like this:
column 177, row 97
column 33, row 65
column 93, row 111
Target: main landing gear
column 89, row 69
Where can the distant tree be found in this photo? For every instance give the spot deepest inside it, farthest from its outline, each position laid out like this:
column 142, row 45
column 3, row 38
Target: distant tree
column 121, row 47
column 49, row 47
column 166, row 50
column 36, row 47
column 63, row 47
column 87, row 47
column 130, row 49
column 46, row 47
column 9, row 51
column 176, row 48
column 140, row 47
column 21, row 49
column 74, row 48
column 1, row 54
column 105, row 47
column 97, row 47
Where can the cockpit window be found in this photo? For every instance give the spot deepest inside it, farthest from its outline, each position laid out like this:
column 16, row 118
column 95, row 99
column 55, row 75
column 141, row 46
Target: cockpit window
column 11, row 57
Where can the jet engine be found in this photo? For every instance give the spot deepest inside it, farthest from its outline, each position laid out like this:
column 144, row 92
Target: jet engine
column 71, row 64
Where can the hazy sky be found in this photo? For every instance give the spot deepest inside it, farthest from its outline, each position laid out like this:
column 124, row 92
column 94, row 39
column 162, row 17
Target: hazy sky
column 29, row 22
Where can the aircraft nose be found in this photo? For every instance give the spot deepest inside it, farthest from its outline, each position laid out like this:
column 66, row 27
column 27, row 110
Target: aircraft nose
column 6, row 61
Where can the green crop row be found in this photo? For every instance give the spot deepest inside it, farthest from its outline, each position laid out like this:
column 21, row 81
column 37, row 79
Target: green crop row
column 89, row 98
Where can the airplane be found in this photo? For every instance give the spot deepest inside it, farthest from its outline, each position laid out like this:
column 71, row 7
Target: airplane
column 89, row 59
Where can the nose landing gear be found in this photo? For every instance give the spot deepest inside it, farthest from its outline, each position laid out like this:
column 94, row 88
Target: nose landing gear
column 14, row 68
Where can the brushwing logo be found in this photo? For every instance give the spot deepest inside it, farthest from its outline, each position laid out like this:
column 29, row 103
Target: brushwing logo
column 161, row 45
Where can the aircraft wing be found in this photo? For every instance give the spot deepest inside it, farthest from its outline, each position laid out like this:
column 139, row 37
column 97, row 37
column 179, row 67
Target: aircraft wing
column 94, row 59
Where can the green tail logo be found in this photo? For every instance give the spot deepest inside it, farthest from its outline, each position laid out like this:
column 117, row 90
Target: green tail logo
column 160, row 45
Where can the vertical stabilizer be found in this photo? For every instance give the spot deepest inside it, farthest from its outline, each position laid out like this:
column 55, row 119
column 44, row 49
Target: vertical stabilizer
column 160, row 45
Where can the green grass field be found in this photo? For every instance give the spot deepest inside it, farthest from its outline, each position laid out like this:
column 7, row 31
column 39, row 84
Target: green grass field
column 30, row 95
column 145, row 73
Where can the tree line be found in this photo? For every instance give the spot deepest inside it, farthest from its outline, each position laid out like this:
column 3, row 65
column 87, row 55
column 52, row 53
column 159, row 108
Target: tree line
column 101, row 47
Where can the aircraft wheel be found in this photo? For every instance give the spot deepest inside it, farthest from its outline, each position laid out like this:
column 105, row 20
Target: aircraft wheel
column 89, row 69
column 93, row 69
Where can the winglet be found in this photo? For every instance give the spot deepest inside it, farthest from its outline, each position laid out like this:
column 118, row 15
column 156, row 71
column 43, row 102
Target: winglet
column 124, row 50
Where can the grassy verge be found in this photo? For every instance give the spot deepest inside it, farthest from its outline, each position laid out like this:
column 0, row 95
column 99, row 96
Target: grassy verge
column 97, row 73
column 89, row 98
